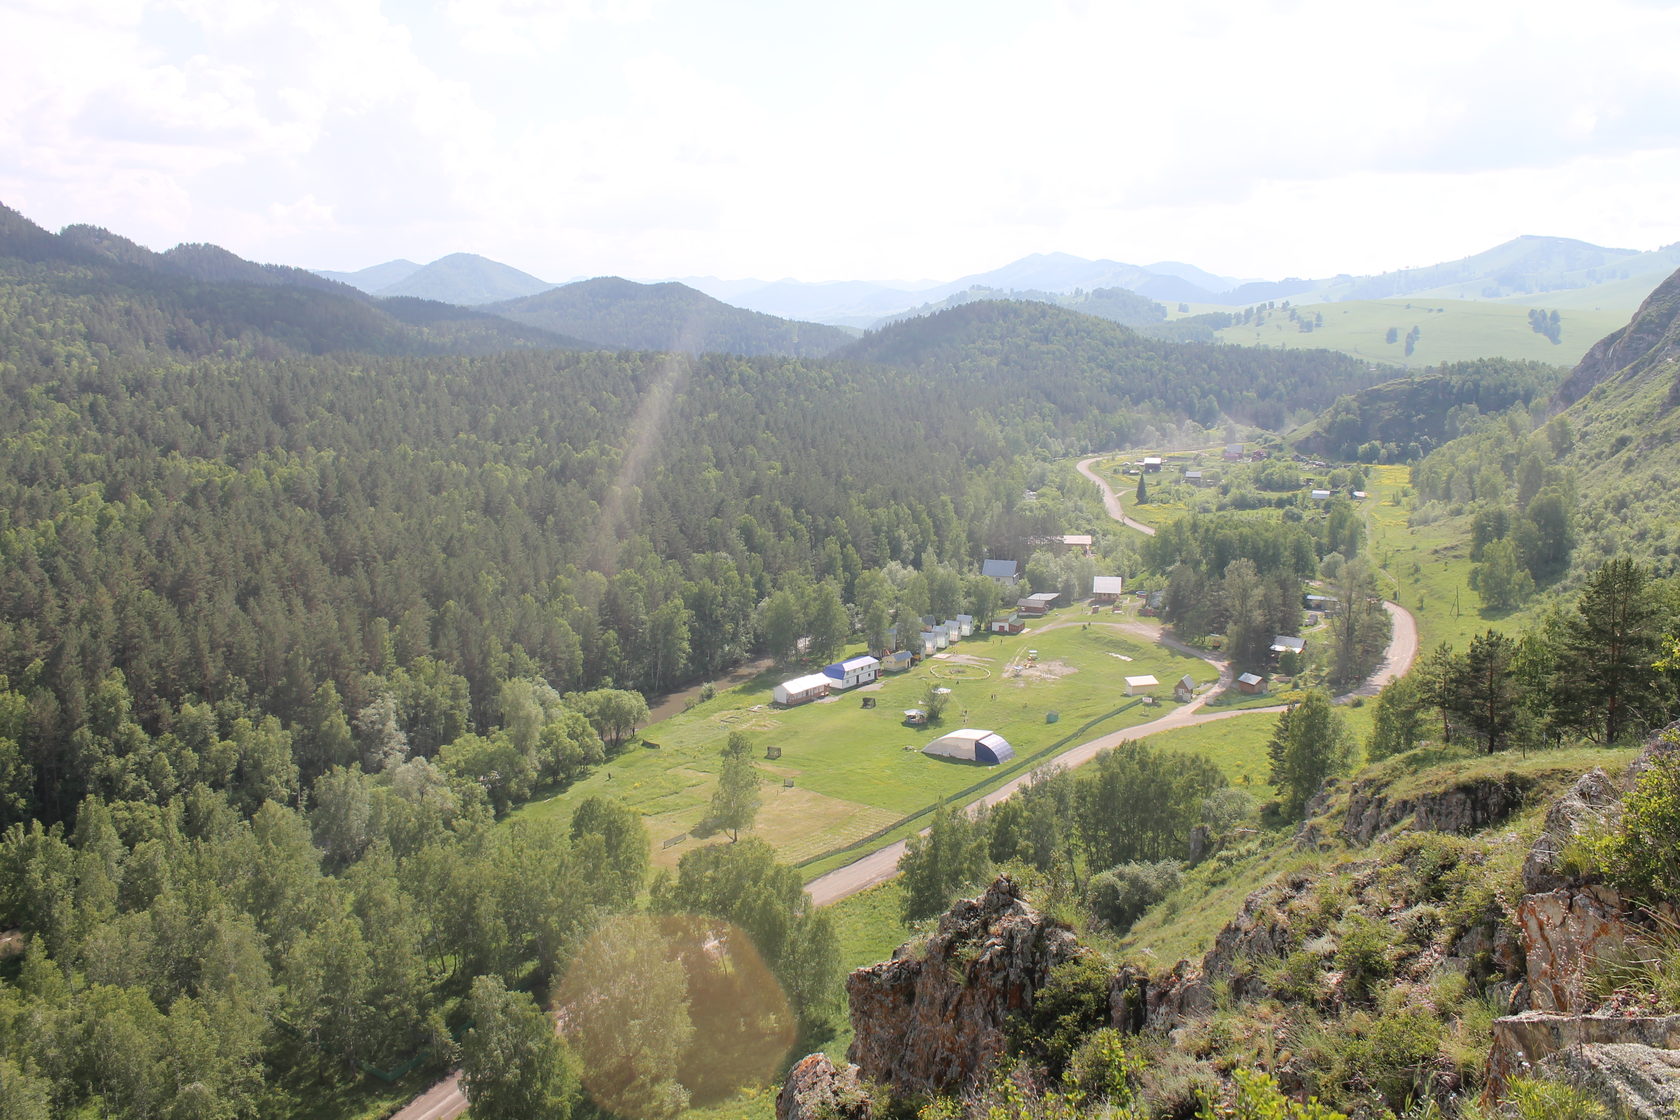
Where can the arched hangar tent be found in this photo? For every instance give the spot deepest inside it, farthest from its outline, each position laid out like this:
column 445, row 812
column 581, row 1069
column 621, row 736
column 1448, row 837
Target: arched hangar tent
column 972, row 745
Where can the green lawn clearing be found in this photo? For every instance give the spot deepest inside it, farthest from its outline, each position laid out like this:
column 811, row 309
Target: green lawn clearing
column 845, row 771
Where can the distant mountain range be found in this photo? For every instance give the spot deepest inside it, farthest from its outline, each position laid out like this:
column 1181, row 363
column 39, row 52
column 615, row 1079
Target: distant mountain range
column 1553, row 271
column 1556, row 271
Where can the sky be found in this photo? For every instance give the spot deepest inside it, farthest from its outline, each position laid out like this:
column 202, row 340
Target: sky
column 885, row 140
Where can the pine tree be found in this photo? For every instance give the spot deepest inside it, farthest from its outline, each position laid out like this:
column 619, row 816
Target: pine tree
column 1605, row 683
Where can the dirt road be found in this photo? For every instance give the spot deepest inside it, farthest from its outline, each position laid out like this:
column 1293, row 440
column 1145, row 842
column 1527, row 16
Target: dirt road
column 1111, row 500
column 443, row 1101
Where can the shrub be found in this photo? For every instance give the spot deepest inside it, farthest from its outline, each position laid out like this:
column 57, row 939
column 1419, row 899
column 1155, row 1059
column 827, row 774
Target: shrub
column 1070, row 1006
column 1119, row 897
column 1102, row 1070
column 1363, row 957
column 1297, row 979
column 1642, row 854
column 1259, row 1098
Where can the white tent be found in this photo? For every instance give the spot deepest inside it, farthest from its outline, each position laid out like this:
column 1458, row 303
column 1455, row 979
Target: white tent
column 972, row 745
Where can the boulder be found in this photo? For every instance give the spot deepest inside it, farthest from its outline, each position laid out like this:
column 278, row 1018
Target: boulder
column 1128, row 1000
column 816, row 1090
column 1634, row 1081
column 933, row 1018
column 1585, row 803
column 1183, row 994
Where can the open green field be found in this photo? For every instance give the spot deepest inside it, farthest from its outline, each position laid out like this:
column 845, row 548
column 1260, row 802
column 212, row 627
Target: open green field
column 1450, row 331
column 846, row 771
column 1427, row 567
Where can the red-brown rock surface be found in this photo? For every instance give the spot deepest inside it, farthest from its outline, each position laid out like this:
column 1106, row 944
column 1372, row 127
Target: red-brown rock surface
column 934, row 1016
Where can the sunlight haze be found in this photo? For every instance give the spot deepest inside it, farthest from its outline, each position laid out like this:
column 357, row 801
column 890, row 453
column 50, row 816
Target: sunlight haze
column 867, row 141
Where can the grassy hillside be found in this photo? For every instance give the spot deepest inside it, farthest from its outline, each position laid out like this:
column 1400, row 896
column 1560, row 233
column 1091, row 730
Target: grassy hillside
column 1449, row 331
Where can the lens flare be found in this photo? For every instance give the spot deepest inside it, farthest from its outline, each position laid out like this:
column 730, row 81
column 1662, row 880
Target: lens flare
column 671, row 1009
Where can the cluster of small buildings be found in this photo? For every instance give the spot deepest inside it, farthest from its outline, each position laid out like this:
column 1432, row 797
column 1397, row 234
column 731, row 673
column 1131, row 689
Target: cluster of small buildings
column 833, row 678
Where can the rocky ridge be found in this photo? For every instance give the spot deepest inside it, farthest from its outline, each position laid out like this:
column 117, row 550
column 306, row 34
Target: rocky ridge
column 934, row 1018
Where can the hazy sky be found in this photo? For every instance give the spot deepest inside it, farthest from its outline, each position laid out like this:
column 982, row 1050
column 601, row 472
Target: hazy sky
column 874, row 139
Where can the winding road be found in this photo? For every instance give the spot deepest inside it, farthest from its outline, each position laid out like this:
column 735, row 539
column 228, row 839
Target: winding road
column 445, row 1101
column 882, row 864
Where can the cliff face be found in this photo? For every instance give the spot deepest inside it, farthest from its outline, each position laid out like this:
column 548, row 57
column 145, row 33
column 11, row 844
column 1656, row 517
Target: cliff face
column 1650, row 339
column 1629, row 1062
column 933, row 1019
column 934, row 1016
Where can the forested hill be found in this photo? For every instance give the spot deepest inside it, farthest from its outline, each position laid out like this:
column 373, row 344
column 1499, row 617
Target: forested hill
column 1404, row 419
column 198, row 300
column 1118, row 305
column 625, row 315
column 1059, row 361
column 196, row 513
column 1602, row 470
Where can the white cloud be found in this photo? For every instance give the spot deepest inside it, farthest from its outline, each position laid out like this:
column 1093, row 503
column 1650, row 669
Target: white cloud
column 587, row 136
column 534, row 27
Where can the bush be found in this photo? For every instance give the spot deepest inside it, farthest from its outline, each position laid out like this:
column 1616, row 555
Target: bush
column 1102, row 1070
column 1363, row 957
column 1118, row 897
column 1297, row 979
column 1259, row 1098
column 1071, row 1005
column 1641, row 856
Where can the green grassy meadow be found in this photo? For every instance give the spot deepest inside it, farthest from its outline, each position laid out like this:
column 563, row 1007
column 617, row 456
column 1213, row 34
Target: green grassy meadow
column 1450, row 331
column 846, row 771
column 1427, row 567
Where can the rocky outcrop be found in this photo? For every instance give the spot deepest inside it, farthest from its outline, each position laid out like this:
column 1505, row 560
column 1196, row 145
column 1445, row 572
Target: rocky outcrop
column 1181, row 995
column 1634, row 1082
column 1649, row 340
column 1583, row 806
column 816, row 1090
column 1565, row 933
column 1522, row 1042
column 934, row 1016
column 1464, row 808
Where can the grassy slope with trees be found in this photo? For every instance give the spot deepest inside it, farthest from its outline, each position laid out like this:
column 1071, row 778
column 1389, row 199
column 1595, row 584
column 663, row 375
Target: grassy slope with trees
column 1417, row 334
